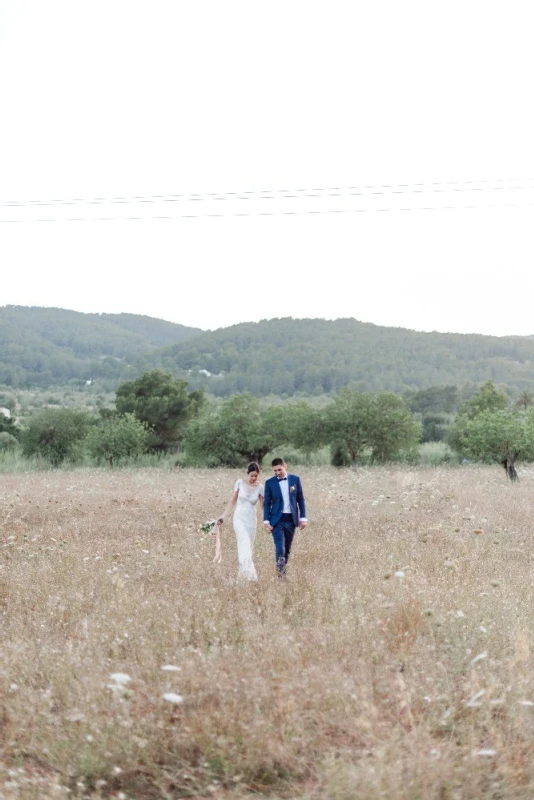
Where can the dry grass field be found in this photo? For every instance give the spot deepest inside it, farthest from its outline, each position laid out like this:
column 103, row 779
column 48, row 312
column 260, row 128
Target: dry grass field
column 394, row 663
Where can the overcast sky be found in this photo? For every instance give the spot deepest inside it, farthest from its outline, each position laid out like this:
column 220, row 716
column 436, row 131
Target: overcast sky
column 278, row 115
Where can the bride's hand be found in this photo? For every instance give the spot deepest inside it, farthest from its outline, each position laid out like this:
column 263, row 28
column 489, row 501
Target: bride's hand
column 220, row 521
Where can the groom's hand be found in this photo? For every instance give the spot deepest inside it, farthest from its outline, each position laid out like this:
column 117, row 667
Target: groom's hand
column 268, row 527
column 302, row 524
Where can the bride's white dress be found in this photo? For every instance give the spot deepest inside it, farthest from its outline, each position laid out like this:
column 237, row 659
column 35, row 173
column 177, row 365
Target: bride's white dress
column 245, row 527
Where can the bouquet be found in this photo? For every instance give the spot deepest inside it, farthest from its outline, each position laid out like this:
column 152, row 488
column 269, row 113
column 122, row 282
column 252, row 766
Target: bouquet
column 207, row 528
column 211, row 528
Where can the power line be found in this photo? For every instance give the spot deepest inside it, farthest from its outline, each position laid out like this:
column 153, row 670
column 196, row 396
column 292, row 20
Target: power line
column 282, row 194
column 272, row 213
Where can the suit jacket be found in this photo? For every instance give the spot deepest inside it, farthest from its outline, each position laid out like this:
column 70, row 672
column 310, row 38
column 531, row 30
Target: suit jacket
column 273, row 501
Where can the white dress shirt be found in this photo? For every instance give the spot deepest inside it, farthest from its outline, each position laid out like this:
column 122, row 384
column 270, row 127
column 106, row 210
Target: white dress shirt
column 284, row 488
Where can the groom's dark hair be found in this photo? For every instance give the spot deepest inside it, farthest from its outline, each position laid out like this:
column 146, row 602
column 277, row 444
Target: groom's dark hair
column 276, row 462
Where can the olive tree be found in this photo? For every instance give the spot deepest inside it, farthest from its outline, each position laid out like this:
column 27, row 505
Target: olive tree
column 116, row 437
column 501, row 437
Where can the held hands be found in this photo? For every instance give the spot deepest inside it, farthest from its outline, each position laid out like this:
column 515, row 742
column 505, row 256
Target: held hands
column 268, row 527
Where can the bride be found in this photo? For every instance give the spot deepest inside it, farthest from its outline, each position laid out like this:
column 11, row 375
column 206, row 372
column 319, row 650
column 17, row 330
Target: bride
column 245, row 497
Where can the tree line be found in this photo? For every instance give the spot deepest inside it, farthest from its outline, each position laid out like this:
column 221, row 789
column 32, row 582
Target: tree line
column 158, row 413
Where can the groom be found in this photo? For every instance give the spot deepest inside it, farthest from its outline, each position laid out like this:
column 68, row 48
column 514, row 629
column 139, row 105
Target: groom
column 283, row 511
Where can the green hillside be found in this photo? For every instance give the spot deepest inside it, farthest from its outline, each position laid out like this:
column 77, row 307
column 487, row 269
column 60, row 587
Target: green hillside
column 312, row 356
column 49, row 346
column 44, row 346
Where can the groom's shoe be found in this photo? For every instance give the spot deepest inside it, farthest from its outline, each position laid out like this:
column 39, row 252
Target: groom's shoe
column 281, row 569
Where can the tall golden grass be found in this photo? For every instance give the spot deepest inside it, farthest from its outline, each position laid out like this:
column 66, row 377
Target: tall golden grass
column 394, row 663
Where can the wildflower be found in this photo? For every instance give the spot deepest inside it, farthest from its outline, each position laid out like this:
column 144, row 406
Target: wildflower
column 474, row 702
column 478, row 658
column 460, row 613
column 170, row 668
column 399, row 574
column 526, row 703
column 487, row 751
column 76, row 716
column 171, row 697
column 120, row 678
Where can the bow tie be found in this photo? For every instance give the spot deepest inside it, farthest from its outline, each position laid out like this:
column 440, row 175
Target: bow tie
column 282, row 479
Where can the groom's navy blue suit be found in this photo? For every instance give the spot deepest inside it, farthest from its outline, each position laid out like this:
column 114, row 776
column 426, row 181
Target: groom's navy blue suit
column 283, row 524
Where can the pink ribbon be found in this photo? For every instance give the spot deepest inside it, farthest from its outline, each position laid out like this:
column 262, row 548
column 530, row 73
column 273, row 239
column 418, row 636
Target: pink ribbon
column 218, row 554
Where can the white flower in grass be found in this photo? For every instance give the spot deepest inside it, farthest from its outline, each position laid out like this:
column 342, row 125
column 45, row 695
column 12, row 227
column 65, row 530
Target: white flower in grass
column 120, row 678
column 526, row 703
column 460, row 613
column 488, row 752
column 75, row 716
column 170, row 668
column 171, row 697
column 474, row 702
column 480, row 657
column 399, row 574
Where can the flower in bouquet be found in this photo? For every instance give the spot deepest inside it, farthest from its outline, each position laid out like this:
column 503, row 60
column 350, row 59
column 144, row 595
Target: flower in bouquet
column 208, row 528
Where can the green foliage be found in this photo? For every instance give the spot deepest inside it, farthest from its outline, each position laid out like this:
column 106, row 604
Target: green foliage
column 8, row 443
column 339, row 455
column 394, row 429
column 116, row 437
column 8, row 425
column 489, row 398
column 347, row 422
column 495, row 436
column 291, row 357
column 436, row 454
column 240, row 431
column 56, row 434
column 45, row 346
column 434, row 400
column 283, row 357
column 7, row 401
column 163, row 404
column 525, row 400
column 356, row 421
column 435, row 426
column 304, row 427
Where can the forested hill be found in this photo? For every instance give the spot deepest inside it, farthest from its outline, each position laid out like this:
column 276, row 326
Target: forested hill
column 44, row 346
column 50, row 346
column 312, row 356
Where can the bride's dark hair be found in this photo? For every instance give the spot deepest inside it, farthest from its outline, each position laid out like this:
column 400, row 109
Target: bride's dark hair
column 253, row 467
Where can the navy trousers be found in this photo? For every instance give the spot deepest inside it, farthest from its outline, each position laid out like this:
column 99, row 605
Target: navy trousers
column 283, row 533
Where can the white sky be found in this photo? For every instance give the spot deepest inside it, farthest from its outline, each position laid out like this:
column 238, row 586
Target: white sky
column 144, row 98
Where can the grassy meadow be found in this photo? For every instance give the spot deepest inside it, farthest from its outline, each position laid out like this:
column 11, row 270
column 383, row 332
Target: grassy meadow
column 394, row 663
